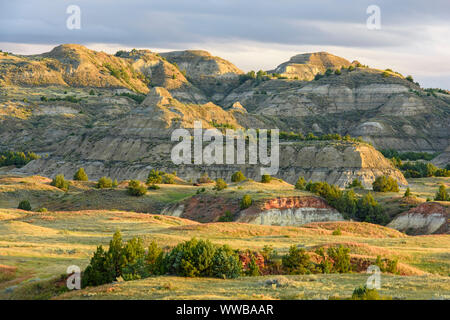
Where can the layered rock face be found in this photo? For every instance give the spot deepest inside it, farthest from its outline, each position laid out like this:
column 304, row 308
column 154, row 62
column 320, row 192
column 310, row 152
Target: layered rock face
column 214, row 76
column 285, row 211
column 133, row 145
column 122, row 137
column 292, row 211
column 388, row 111
column 427, row 218
column 305, row 66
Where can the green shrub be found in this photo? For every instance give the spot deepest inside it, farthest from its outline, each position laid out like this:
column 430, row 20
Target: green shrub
column 407, row 192
column 409, row 78
column 300, row 184
column 266, row 178
column 154, row 187
column 442, row 194
column 355, row 184
column 363, row 293
column 385, row 184
column 18, row 159
column 387, row 265
column 136, row 97
column 297, row 261
column 115, row 184
column 155, row 259
column 226, row 263
column 91, row 92
column 369, row 210
column 168, row 179
column 191, row 258
column 220, row 184
column 253, row 268
column 337, row 232
column 227, row 217
column 106, row 266
column 136, row 188
column 325, row 265
column 99, row 271
column 104, row 182
column 337, row 72
column 341, row 259
column 24, row 205
column 246, row 201
column 238, row 176
column 80, row 175
column 154, row 177
column 42, row 210
column 60, row 182
column 204, row 178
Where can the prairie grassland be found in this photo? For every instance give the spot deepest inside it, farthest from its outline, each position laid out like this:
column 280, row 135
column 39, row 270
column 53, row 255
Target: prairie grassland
column 288, row 288
column 37, row 247
column 42, row 245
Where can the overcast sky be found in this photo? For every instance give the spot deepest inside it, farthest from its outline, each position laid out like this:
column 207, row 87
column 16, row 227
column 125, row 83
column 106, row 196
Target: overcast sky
column 413, row 39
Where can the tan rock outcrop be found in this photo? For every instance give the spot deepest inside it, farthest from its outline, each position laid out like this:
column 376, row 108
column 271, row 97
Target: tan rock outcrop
column 427, row 218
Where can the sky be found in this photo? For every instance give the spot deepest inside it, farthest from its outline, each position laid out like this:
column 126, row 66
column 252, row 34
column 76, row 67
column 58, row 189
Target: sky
column 413, row 38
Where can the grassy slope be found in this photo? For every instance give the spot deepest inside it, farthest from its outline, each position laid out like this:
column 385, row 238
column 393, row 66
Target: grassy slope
column 42, row 245
column 294, row 287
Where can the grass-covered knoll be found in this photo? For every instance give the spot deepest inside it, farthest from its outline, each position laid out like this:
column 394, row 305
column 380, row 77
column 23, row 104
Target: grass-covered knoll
column 42, row 245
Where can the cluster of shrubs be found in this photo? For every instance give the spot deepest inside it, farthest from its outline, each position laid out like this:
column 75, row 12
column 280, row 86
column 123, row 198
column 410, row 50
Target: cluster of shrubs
column 19, row 159
column 201, row 258
column 130, row 261
column 364, row 293
column 106, row 183
column 385, row 184
column 415, row 168
column 338, row 72
column 136, row 188
column 220, row 185
column 355, row 184
column 252, row 75
column 136, row 97
column 361, row 209
column 72, row 99
column 391, row 153
column 421, row 169
column 222, row 125
column 246, row 201
column 204, row 178
column 310, row 137
column 119, row 73
column 158, row 177
column 60, row 182
column 442, row 194
column 238, row 176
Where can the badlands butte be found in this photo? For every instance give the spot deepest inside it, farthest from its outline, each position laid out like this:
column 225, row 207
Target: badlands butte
column 113, row 115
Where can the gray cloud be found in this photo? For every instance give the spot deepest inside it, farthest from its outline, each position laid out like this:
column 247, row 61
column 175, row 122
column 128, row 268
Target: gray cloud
column 415, row 26
column 177, row 22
